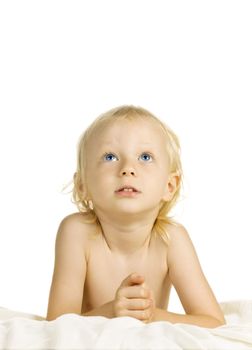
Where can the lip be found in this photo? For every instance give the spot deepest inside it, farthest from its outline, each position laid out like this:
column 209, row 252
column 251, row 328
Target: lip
column 120, row 189
column 128, row 194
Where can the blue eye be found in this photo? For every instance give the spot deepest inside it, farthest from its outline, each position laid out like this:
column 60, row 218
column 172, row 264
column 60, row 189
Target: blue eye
column 146, row 157
column 110, row 157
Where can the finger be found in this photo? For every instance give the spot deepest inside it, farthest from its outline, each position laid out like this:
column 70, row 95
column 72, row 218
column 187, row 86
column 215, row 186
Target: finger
column 135, row 291
column 142, row 315
column 136, row 279
column 133, row 278
column 137, row 304
column 151, row 293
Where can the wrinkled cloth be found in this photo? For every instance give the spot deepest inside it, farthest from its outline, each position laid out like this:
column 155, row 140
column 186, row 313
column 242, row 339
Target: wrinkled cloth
column 71, row 331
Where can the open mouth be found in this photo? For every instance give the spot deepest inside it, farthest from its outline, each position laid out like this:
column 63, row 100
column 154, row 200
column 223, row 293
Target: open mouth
column 128, row 189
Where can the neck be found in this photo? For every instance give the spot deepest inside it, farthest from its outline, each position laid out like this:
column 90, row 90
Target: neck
column 127, row 235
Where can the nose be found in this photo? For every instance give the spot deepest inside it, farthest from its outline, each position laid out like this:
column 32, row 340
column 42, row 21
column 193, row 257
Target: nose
column 127, row 170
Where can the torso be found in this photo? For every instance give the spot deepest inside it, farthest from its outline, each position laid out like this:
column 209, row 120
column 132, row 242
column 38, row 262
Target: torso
column 106, row 271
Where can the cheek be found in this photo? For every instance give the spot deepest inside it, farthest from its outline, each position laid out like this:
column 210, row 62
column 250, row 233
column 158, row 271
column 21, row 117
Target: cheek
column 162, row 174
column 99, row 182
column 157, row 187
column 162, row 185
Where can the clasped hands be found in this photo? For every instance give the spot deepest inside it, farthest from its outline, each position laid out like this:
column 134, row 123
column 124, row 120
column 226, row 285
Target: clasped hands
column 135, row 299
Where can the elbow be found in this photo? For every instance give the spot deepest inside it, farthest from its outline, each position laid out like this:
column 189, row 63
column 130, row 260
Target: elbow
column 217, row 322
column 221, row 322
column 209, row 321
column 50, row 318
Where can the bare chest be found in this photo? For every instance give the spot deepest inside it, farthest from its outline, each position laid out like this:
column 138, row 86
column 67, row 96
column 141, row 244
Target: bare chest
column 105, row 273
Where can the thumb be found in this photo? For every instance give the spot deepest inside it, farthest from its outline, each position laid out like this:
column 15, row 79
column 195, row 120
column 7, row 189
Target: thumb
column 133, row 278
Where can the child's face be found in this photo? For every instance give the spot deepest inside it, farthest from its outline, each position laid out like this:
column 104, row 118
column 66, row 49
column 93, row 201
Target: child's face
column 131, row 154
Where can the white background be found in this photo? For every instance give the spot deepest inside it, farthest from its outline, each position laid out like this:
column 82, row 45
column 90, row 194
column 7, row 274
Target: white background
column 62, row 63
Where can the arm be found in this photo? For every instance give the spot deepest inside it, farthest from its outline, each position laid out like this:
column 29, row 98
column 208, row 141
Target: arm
column 105, row 310
column 66, row 291
column 198, row 320
column 196, row 296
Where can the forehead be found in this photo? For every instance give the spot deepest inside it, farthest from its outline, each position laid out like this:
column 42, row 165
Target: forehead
column 140, row 131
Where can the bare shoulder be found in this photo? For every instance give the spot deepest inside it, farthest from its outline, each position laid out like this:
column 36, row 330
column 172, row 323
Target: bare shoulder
column 75, row 229
column 76, row 219
column 177, row 232
column 180, row 243
column 77, row 224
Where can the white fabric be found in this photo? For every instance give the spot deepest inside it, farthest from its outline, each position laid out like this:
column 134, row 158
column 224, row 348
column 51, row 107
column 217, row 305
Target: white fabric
column 25, row 331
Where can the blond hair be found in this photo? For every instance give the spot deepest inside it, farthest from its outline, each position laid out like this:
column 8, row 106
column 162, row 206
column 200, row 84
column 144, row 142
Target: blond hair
column 131, row 113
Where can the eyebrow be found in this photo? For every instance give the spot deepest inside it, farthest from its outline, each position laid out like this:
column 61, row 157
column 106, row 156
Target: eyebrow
column 140, row 144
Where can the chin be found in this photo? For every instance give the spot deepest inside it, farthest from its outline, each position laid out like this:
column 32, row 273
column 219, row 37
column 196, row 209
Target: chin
column 133, row 210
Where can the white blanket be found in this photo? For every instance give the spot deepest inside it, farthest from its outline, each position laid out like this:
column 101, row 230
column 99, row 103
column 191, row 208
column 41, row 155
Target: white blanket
column 25, row 331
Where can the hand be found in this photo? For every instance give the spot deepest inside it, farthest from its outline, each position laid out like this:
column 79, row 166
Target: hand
column 135, row 299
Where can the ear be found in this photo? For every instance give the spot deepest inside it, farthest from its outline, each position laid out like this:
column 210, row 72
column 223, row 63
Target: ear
column 79, row 185
column 171, row 187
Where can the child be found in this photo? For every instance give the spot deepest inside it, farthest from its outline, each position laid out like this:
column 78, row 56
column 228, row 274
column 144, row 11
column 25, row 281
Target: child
column 120, row 254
